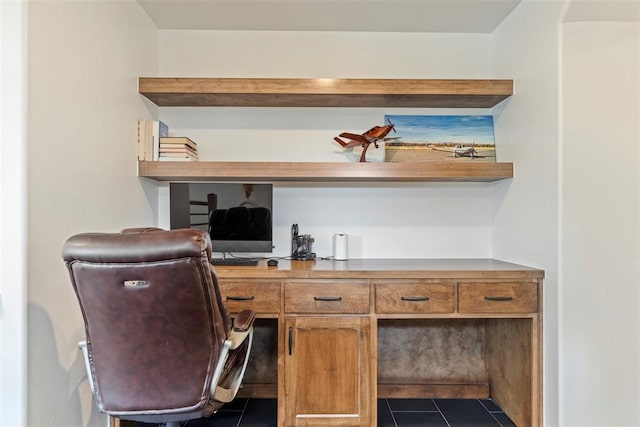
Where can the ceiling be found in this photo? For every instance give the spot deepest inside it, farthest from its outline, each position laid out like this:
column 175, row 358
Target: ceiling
column 459, row 16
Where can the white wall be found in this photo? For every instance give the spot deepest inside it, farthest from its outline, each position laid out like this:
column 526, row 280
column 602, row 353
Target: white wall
column 572, row 129
column 13, row 221
column 525, row 210
column 83, row 105
column 84, row 61
column 412, row 220
column 323, row 54
column 600, row 235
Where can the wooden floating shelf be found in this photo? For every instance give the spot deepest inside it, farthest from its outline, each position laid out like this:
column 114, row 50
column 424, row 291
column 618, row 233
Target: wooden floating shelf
column 248, row 92
column 463, row 171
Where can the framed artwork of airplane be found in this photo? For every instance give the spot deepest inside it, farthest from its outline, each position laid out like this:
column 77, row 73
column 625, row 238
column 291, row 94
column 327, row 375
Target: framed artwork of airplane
column 441, row 138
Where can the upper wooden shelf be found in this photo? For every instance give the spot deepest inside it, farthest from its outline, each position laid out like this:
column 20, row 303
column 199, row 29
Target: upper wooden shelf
column 247, row 92
column 322, row 172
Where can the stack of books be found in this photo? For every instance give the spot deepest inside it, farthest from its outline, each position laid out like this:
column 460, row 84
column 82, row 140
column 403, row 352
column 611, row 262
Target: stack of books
column 149, row 134
column 177, row 148
column 155, row 144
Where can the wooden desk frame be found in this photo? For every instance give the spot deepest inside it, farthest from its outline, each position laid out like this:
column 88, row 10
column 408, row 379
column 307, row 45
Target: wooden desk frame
column 499, row 302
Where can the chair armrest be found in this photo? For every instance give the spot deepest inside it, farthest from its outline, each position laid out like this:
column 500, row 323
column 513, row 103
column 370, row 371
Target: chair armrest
column 242, row 327
column 87, row 364
column 136, row 230
column 244, row 320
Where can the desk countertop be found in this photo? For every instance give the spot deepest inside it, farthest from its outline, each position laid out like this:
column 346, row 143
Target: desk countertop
column 385, row 268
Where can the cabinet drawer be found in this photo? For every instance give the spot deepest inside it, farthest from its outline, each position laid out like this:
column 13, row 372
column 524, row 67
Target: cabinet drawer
column 415, row 298
column 497, row 297
column 326, row 297
column 261, row 297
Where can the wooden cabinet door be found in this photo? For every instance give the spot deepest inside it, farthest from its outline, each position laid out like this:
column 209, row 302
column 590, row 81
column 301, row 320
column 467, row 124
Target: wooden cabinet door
column 327, row 372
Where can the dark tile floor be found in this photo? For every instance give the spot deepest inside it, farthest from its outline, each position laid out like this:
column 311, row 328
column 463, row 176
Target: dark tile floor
column 391, row 413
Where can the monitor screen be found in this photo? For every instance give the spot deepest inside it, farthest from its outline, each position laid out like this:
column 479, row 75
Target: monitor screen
column 238, row 217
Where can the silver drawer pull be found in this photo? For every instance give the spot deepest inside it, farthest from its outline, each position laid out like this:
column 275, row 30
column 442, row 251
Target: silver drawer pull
column 498, row 298
column 421, row 298
column 327, row 298
column 241, row 298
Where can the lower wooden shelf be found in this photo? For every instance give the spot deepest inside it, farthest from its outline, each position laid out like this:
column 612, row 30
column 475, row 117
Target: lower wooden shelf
column 463, row 171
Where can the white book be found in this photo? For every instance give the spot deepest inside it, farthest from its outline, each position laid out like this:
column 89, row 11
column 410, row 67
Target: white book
column 179, row 153
column 148, row 140
column 141, row 139
column 177, row 159
column 160, row 130
column 178, row 141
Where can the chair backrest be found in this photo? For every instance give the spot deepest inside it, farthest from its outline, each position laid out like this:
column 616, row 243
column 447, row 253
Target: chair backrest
column 154, row 318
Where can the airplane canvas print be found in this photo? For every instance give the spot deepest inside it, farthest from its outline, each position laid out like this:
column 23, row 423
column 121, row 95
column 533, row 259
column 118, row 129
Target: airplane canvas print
column 441, row 138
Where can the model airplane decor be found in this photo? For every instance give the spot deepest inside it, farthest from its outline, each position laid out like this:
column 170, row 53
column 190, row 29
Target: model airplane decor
column 372, row 136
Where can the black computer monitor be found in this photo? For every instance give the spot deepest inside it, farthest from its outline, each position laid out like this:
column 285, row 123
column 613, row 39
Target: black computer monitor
column 238, row 217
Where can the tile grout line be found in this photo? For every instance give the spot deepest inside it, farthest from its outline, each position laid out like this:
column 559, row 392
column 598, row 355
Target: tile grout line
column 491, row 413
column 499, row 411
column 441, row 413
column 497, row 420
column 483, row 405
column 242, row 413
column 391, row 412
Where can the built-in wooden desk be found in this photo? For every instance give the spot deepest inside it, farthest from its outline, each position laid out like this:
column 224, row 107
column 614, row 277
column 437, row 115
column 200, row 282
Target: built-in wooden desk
column 333, row 336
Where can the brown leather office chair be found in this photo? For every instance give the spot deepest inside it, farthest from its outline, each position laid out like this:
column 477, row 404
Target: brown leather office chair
column 160, row 346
